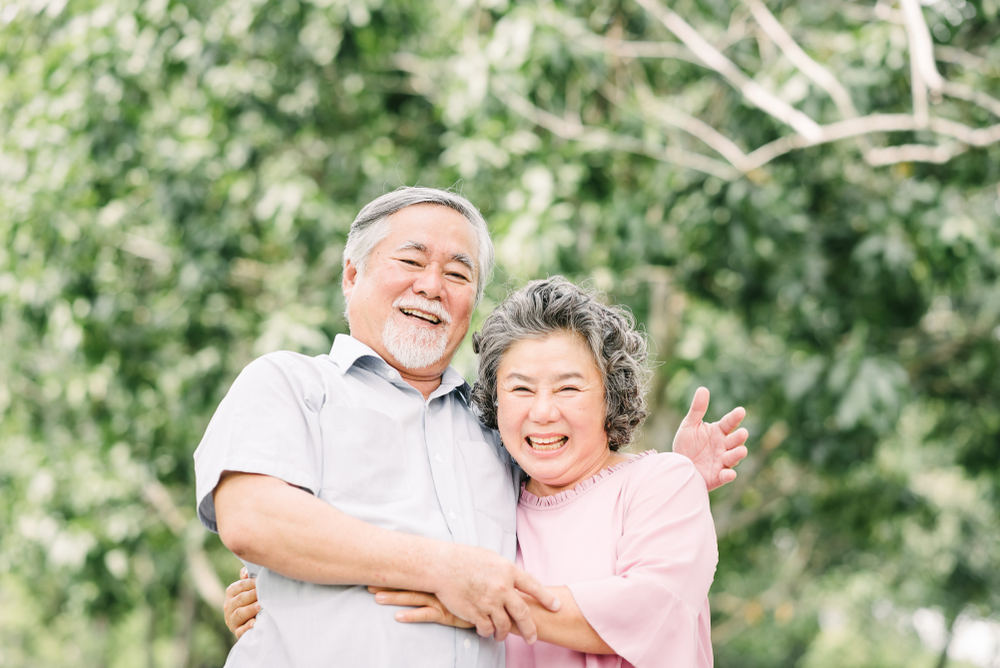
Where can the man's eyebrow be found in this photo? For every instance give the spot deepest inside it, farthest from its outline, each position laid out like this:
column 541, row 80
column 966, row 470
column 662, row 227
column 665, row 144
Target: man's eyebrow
column 466, row 260
column 461, row 258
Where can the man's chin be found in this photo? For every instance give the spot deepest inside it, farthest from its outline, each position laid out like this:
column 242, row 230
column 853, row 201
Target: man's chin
column 416, row 351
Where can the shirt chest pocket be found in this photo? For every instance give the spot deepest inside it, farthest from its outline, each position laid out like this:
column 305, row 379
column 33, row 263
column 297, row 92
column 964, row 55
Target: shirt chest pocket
column 364, row 456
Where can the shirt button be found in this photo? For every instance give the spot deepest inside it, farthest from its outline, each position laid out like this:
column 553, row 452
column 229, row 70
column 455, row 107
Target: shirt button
column 452, row 514
column 438, row 458
column 468, row 643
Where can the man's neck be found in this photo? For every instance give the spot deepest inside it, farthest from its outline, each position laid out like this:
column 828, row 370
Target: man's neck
column 425, row 384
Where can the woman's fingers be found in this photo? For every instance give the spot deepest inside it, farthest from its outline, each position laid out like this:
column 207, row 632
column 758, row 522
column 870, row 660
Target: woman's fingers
column 411, row 598
column 241, row 604
column 733, row 457
column 732, row 419
column 424, row 615
column 243, row 629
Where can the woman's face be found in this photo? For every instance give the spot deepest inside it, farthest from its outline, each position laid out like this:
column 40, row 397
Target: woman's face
column 550, row 411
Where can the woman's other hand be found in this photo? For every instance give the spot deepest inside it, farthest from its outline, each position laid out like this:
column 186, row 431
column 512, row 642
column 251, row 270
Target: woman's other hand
column 241, row 606
column 425, row 607
column 714, row 447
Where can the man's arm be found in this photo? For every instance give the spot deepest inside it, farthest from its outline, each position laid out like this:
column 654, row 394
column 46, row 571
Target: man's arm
column 566, row 628
column 268, row 522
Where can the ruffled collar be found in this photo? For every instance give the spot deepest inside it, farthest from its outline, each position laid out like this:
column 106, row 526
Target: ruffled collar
column 565, row 496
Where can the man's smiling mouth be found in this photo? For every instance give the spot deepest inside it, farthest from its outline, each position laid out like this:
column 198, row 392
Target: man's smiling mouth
column 423, row 315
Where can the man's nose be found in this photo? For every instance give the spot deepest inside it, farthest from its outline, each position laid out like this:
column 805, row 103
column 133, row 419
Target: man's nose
column 430, row 283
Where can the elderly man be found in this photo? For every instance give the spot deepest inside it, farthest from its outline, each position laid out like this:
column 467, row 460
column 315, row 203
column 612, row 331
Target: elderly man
column 367, row 466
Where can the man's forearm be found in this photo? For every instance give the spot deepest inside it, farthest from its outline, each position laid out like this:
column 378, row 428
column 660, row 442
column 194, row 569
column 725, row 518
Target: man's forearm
column 268, row 522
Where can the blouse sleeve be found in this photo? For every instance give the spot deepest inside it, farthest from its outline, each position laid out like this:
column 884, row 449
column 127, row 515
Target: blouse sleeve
column 654, row 611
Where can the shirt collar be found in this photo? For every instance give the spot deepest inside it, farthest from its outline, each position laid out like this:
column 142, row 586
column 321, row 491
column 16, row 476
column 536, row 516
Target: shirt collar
column 348, row 351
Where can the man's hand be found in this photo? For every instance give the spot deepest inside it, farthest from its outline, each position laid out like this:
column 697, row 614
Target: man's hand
column 241, row 606
column 481, row 587
column 714, row 447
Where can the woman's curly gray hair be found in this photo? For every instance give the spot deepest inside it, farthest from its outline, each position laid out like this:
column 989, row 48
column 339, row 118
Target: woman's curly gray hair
column 555, row 305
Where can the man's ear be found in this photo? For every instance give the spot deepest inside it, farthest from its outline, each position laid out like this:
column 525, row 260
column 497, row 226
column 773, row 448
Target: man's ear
column 349, row 280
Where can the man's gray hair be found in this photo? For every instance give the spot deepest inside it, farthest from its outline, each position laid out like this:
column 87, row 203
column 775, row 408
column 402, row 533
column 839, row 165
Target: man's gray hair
column 555, row 305
column 372, row 226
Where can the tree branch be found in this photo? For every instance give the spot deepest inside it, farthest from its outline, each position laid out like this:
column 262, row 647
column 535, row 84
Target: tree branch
column 206, row 582
column 818, row 74
column 621, row 48
column 879, row 157
column 921, row 46
column 970, row 94
column 604, row 138
column 713, row 58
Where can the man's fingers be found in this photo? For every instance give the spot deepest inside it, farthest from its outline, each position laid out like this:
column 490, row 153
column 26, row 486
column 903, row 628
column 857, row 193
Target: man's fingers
column 485, row 627
column 699, row 406
column 520, row 613
column 501, row 624
column 243, row 629
column 244, row 573
column 529, row 585
column 732, row 419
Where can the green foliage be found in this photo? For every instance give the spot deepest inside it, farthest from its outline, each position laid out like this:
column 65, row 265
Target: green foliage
column 176, row 181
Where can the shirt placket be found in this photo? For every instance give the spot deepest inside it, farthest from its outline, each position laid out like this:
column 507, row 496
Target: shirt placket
column 439, row 438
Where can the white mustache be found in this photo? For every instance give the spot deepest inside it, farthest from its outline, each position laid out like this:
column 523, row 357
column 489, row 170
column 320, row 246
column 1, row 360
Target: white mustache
column 426, row 305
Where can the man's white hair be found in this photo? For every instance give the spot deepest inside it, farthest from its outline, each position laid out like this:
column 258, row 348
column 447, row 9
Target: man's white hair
column 372, row 226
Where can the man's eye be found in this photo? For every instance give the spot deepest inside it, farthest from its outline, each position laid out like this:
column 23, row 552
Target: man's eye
column 461, row 277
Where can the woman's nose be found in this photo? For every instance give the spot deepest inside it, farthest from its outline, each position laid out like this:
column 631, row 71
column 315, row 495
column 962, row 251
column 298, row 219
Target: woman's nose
column 544, row 409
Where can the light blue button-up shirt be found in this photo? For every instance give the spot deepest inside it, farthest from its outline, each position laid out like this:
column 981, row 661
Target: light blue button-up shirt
column 348, row 429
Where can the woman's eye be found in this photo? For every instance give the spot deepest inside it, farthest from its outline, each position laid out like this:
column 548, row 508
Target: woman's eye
column 569, row 388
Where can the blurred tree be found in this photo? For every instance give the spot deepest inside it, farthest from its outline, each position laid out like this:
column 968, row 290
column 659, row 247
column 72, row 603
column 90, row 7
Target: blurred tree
column 176, row 180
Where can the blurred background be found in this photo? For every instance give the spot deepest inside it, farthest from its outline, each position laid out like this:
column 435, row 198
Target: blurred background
column 800, row 201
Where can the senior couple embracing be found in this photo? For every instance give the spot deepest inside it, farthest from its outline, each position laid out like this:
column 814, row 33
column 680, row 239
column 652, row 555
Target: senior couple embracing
column 371, row 488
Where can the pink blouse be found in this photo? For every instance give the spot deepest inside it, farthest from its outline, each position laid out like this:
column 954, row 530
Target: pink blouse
column 636, row 546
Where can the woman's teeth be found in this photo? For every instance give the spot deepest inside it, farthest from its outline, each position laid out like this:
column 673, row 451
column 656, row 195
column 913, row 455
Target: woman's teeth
column 550, row 443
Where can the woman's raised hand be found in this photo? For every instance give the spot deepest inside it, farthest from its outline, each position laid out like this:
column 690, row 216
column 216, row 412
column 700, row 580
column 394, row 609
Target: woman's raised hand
column 714, row 447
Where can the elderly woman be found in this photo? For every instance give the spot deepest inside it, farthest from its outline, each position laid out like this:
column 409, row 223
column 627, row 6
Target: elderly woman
column 626, row 541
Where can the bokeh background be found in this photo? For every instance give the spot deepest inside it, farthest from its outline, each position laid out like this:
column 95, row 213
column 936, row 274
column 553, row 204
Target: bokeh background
column 799, row 200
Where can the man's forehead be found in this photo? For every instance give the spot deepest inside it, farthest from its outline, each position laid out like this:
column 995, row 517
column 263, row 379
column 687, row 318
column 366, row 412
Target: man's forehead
column 422, row 219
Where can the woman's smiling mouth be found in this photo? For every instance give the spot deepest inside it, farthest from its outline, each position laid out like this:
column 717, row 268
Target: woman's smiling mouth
column 546, row 442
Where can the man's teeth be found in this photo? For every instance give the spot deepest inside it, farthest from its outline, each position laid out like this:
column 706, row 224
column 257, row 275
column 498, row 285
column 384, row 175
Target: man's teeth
column 550, row 443
column 422, row 315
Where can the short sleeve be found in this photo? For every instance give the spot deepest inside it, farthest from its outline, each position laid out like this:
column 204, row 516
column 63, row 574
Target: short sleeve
column 266, row 424
column 654, row 612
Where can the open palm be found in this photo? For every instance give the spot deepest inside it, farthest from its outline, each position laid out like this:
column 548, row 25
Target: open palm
column 714, row 447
